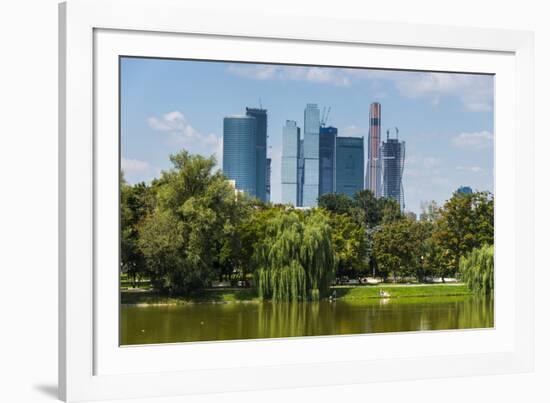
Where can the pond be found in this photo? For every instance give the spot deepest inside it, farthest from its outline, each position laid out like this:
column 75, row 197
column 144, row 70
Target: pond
column 233, row 321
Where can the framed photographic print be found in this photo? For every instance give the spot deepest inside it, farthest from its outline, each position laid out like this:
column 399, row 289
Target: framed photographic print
column 245, row 209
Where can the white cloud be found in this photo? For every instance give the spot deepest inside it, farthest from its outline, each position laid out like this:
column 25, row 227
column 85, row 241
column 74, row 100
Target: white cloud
column 475, row 140
column 474, row 91
column 182, row 134
column 473, row 169
column 336, row 77
column 134, row 167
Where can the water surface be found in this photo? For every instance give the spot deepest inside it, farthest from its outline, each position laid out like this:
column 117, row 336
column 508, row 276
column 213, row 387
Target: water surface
column 210, row 321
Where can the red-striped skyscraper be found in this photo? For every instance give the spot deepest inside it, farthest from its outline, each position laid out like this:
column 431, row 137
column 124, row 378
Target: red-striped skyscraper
column 373, row 177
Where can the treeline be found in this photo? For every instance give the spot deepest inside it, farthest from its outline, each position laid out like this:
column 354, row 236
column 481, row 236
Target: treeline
column 191, row 227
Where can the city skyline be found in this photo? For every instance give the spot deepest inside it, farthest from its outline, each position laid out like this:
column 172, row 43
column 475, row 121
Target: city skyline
column 447, row 121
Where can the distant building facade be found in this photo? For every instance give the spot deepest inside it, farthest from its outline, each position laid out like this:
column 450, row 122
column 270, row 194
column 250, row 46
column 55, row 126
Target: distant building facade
column 301, row 174
column 374, row 169
column 392, row 153
column 350, row 155
column 312, row 123
column 261, row 150
column 327, row 160
column 289, row 163
column 239, row 152
column 465, row 190
column 268, row 180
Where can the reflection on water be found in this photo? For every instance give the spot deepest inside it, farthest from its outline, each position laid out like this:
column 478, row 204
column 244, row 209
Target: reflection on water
column 206, row 322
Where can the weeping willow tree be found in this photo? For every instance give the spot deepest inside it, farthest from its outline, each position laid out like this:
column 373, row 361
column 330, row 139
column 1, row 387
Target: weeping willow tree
column 295, row 260
column 477, row 269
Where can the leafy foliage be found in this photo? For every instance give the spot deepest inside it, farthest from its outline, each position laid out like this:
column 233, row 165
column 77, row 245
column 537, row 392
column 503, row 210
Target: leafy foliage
column 465, row 222
column 189, row 227
column 136, row 202
column 296, row 259
column 477, row 269
column 398, row 248
column 192, row 235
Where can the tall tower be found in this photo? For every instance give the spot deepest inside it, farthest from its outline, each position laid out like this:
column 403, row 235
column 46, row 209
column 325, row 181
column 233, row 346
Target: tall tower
column 261, row 150
column 312, row 123
column 268, row 180
column 239, row 152
column 373, row 177
column 301, row 173
column 350, row 165
column 289, row 163
column 327, row 159
column 393, row 163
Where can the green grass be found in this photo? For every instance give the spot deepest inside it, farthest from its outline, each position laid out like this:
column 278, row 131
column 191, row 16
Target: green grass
column 344, row 293
column 400, row 291
column 225, row 295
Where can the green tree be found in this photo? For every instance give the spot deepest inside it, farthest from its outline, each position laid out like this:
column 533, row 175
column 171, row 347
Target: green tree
column 465, row 222
column 136, row 202
column 397, row 248
column 189, row 239
column 477, row 269
column 337, row 203
column 295, row 260
column 349, row 240
column 376, row 211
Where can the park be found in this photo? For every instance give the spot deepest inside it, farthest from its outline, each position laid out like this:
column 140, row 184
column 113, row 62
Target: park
column 202, row 262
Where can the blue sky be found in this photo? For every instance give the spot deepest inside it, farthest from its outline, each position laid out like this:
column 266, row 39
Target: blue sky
column 445, row 119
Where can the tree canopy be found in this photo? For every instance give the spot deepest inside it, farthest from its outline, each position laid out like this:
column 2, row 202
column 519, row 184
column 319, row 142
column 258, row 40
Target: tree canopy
column 296, row 259
column 190, row 227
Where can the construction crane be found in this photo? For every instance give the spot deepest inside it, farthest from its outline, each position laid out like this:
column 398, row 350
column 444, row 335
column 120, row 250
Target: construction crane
column 324, row 116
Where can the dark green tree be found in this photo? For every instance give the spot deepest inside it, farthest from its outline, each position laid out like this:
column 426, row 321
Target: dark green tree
column 465, row 222
column 136, row 202
column 337, row 203
column 397, row 248
column 189, row 239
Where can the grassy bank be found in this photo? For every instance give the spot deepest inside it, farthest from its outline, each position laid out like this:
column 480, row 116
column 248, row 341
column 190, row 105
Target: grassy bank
column 344, row 293
column 400, row 291
column 225, row 295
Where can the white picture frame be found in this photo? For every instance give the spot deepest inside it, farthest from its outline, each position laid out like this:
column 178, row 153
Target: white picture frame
column 93, row 33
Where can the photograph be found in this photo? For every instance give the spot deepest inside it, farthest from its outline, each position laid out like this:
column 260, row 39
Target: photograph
column 262, row 200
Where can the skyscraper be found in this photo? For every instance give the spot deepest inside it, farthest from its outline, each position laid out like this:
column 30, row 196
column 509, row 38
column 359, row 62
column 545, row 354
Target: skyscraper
column 289, row 163
column 327, row 159
column 311, row 155
column 350, row 164
column 373, row 177
column 239, row 152
column 392, row 153
column 301, row 173
column 268, row 180
column 261, row 150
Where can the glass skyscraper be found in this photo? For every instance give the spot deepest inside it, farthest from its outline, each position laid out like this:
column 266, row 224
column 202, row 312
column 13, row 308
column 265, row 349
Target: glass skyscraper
column 350, row 165
column 261, row 150
column 289, row 163
column 327, row 159
column 392, row 153
column 312, row 124
column 239, row 152
column 268, row 180
column 301, row 174
column 374, row 176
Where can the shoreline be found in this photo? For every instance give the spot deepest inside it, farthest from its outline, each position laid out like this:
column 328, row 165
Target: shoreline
column 145, row 298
